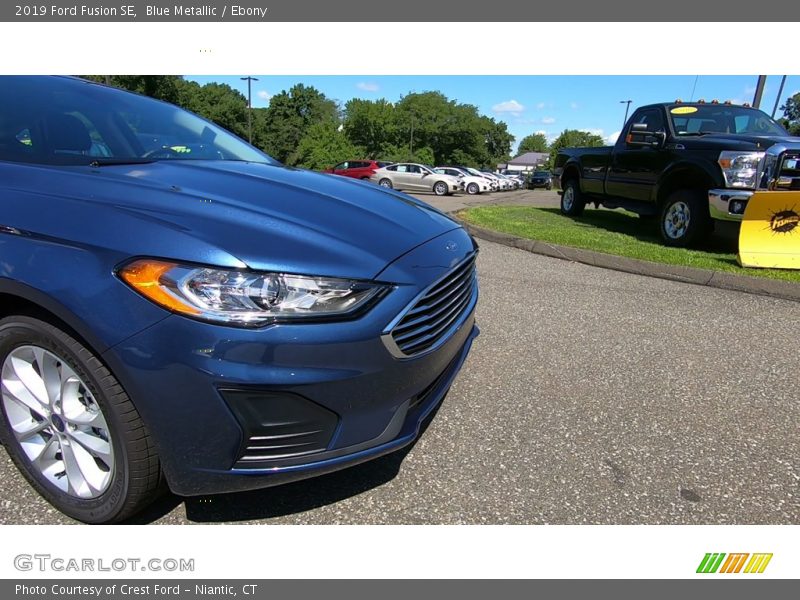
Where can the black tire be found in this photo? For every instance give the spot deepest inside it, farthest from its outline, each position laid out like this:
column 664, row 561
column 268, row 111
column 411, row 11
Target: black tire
column 136, row 479
column 386, row 183
column 548, row 187
column 684, row 219
column 440, row 188
column 473, row 189
column 572, row 202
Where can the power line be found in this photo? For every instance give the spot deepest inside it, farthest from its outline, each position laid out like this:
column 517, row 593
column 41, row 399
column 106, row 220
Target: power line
column 694, row 87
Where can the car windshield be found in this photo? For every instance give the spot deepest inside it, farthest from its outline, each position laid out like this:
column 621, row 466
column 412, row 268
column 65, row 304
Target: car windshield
column 65, row 121
column 722, row 118
column 541, row 174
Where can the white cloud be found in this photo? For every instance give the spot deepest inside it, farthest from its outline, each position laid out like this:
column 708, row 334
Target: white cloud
column 612, row 138
column 264, row 95
column 511, row 107
column 540, row 105
column 541, row 132
column 548, row 120
column 595, row 132
column 573, row 105
column 368, row 86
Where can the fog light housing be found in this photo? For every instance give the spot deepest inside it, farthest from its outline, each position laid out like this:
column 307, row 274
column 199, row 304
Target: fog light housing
column 736, row 207
column 278, row 427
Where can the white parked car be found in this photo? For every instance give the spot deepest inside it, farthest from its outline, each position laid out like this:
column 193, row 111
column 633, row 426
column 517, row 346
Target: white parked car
column 514, row 183
column 493, row 183
column 472, row 184
column 502, row 184
column 414, row 177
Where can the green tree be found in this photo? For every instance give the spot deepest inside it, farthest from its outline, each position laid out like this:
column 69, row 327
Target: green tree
column 371, row 125
column 574, row 138
column 791, row 114
column 163, row 87
column 289, row 117
column 324, row 146
column 497, row 143
column 217, row 102
column 535, row 142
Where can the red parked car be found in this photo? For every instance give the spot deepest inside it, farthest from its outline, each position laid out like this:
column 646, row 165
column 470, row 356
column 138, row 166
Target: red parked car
column 358, row 169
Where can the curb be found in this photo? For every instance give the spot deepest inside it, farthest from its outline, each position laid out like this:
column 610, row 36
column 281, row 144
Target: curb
column 783, row 290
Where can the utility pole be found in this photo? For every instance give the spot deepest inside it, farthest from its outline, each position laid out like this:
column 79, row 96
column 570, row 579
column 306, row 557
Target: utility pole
column 249, row 80
column 762, row 81
column 627, row 104
column 778, row 97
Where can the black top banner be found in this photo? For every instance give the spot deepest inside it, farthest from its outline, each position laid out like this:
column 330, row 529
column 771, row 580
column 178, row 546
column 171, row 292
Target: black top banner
column 678, row 11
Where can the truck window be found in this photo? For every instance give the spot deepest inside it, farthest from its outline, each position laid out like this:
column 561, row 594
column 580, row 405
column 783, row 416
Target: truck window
column 651, row 117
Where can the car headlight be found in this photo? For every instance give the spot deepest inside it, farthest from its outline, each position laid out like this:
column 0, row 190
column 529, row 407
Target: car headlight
column 740, row 169
column 246, row 298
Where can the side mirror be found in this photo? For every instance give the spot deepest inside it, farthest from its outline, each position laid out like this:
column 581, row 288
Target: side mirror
column 639, row 136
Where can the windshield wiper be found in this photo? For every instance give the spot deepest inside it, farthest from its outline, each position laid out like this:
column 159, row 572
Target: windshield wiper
column 108, row 162
column 696, row 133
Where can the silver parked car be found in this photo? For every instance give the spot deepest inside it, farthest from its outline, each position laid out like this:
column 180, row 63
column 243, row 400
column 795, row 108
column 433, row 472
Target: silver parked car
column 413, row 177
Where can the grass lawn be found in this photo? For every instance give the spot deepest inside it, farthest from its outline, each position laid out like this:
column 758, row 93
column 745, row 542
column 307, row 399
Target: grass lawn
column 613, row 232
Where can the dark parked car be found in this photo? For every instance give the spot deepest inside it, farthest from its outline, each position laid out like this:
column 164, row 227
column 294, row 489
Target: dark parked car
column 358, row 169
column 199, row 315
column 543, row 179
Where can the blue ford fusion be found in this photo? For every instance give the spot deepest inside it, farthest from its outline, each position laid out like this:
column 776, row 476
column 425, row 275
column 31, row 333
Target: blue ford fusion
column 178, row 309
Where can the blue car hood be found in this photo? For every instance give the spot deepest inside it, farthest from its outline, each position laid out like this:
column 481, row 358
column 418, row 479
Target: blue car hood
column 268, row 217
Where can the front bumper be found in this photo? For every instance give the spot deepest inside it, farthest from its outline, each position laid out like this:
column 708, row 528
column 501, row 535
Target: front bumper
column 201, row 389
column 728, row 204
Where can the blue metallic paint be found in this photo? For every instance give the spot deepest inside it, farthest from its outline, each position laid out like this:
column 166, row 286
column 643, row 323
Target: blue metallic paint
column 78, row 224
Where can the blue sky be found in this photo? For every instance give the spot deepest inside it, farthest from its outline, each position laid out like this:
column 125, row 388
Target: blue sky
column 530, row 103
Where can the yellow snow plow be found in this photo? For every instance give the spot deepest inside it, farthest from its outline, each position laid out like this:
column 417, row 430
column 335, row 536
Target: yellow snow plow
column 770, row 234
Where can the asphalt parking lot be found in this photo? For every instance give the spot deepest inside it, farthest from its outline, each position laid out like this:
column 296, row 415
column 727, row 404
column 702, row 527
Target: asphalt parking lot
column 591, row 396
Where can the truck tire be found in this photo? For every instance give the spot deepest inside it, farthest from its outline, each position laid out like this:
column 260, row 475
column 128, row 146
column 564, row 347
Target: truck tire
column 684, row 219
column 572, row 202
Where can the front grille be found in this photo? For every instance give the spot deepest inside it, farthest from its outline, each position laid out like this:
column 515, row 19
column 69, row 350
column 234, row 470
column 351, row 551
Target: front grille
column 780, row 168
column 789, row 173
column 430, row 318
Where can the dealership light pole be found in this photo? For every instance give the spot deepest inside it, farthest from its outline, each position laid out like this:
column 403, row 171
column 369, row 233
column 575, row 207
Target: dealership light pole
column 778, row 97
column 760, row 85
column 627, row 104
column 249, row 80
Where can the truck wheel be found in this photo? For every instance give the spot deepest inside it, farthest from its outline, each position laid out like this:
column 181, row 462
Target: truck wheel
column 69, row 426
column 572, row 203
column 684, row 219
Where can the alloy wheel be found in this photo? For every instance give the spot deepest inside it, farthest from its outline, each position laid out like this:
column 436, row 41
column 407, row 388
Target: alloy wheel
column 57, row 421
